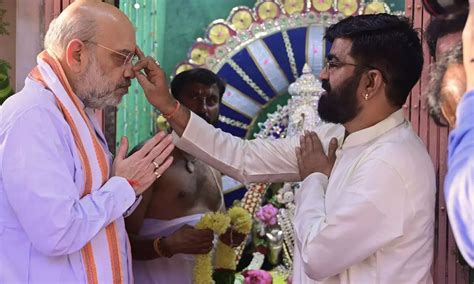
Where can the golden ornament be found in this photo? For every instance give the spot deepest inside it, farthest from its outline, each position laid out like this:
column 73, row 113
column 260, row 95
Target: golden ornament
column 293, row 6
column 347, row 7
column 219, row 34
column 375, row 7
column 183, row 67
column 242, row 20
column 199, row 55
column 322, row 5
column 268, row 10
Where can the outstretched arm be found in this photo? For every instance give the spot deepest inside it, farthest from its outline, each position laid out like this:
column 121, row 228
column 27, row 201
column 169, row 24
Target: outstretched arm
column 247, row 161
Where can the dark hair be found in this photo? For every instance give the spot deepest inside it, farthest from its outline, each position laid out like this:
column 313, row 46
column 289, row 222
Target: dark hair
column 433, row 96
column 444, row 7
column 444, row 25
column 388, row 43
column 197, row 75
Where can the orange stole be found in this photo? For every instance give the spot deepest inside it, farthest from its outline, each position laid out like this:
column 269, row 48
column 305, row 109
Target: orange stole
column 111, row 231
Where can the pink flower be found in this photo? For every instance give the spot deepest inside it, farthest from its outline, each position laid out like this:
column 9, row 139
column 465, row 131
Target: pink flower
column 257, row 277
column 267, row 214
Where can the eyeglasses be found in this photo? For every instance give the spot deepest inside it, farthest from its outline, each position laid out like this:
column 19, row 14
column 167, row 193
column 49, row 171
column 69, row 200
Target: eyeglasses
column 131, row 57
column 334, row 64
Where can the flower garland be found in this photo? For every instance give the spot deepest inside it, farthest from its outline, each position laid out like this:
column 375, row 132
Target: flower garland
column 241, row 222
column 250, row 202
column 218, row 223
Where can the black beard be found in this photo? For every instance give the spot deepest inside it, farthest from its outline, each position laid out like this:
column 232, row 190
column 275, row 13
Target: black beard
column 339, row 105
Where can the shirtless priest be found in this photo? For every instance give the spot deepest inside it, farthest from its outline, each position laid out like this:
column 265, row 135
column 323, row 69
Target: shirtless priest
column 181, row 196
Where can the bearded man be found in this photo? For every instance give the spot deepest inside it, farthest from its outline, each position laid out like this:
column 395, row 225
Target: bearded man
column 365, row 210
column 61, row 198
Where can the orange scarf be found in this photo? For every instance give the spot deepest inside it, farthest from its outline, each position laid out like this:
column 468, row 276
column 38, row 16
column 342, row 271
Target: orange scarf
column 94, row 163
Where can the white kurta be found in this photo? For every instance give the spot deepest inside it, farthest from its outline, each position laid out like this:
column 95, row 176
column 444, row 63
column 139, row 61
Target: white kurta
column 375, row 224
column 44, row 222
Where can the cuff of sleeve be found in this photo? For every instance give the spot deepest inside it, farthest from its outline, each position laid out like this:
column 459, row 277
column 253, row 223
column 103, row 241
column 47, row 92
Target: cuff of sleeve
column 123, row 193
column 315, row 183
column 317, row 177
column 191, row 132
column 134, row 206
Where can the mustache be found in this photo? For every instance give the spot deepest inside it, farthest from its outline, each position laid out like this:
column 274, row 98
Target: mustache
column 326, row 86
column 124, row 85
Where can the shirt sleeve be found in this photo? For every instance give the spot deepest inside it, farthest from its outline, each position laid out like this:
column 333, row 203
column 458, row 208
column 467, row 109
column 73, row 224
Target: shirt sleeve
column 362, row 216
column 459, row 183
column 38, row 177
column 257, row 160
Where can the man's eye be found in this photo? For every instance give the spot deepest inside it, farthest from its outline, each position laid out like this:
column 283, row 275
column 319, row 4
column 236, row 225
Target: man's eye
column 212, row 101
column 119, row 59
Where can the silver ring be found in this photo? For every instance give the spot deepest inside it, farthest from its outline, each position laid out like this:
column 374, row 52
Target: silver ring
column 157, row 63
column 156, row 164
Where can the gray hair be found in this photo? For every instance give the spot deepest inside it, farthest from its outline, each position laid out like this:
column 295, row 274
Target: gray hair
column 433, row 96
column 63, row 29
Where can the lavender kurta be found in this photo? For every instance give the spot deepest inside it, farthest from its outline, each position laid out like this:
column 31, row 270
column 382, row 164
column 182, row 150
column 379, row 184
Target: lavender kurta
column 459, row 183
column 44, row 222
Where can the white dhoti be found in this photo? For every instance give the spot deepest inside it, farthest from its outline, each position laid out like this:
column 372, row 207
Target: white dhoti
column 176, row 269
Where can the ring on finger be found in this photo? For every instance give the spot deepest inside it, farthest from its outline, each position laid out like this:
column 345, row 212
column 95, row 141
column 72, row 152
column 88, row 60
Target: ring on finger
column 157, row 174
column 156, row 164
column 157, row 63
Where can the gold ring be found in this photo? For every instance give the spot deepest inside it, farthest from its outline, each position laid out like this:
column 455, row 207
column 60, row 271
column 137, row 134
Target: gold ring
column 158, row 175
column 156, row 165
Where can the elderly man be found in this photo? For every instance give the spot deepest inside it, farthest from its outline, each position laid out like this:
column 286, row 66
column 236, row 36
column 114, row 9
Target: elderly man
column 365, row 210
column 61, row 198
column 447, row 88
column 459, row 182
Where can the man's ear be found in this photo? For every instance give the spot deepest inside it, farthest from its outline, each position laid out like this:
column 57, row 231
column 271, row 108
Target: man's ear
column 373, row 83
column 76, row 55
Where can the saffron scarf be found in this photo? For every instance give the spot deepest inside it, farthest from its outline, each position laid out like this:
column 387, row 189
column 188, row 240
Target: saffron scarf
column 101, row 256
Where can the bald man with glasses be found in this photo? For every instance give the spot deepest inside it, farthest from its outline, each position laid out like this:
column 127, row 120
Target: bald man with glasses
column 62, row 195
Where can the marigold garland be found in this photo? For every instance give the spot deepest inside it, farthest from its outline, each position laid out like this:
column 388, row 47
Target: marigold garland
column 241, row 222
column 225, row 257
column 240, row 219
column 218, row 223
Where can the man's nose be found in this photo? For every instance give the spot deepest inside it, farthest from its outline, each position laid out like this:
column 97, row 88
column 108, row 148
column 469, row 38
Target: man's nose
column 324, row 74
column 203, row 106
column 128, row 71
